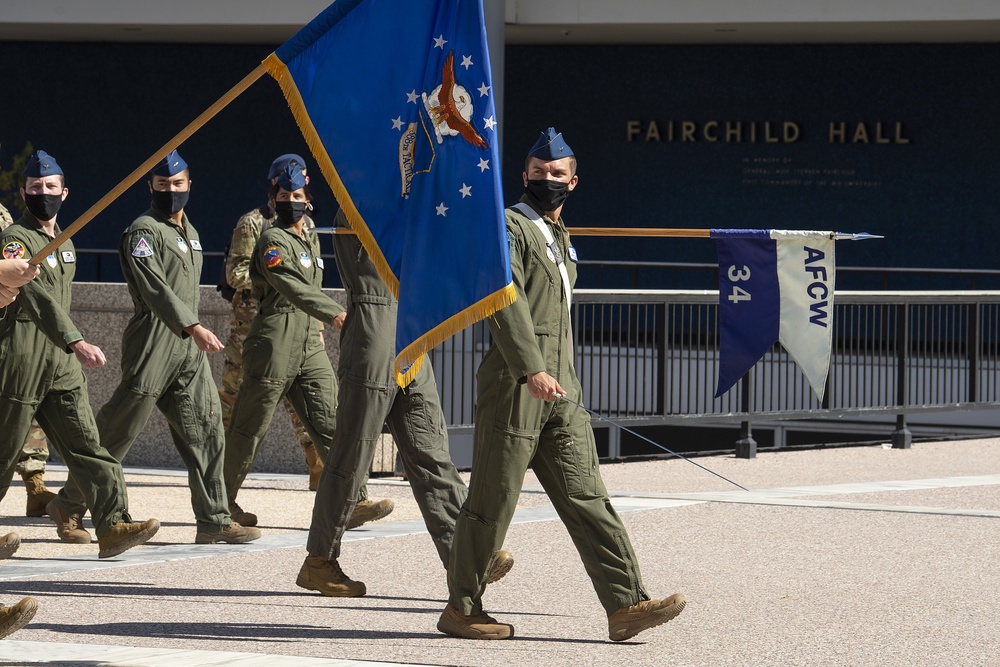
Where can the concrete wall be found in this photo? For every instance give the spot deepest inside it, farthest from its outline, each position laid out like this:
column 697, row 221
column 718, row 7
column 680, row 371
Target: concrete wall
column 101, row 311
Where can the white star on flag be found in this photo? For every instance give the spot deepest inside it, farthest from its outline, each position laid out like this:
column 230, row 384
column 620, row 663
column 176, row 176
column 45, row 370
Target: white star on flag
column 397, row 123
column 484, row 90
column 442, row 210
column 490, row 123
column 466, row 62
column 439, row 42
column 483, row 165
column 466, row 190
column 412, row 96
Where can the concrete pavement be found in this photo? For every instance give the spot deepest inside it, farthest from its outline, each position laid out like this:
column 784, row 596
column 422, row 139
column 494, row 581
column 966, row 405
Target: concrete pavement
column 851, row 556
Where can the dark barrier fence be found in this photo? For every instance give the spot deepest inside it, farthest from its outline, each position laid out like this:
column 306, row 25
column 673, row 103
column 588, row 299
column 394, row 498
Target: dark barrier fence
column 650, row 358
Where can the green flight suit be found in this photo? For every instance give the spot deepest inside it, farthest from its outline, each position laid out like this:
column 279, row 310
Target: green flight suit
column 244, row 240
column 161, row 365
column 515, row 431
column 370, row 397
column 35, row 451
column 40, row 377
column 282, row 356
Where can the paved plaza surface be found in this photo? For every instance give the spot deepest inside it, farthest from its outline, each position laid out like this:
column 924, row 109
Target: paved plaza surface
column 838, row 556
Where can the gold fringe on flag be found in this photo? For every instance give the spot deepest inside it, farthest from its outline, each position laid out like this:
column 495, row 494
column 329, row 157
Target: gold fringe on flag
column 279, row 71
column 410, row 359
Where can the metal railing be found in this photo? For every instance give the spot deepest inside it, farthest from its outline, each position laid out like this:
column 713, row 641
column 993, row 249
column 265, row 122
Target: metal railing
column 650, row 358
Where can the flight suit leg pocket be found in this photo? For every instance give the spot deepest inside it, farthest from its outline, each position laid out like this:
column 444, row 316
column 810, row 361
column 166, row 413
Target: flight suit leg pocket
column 578, row 464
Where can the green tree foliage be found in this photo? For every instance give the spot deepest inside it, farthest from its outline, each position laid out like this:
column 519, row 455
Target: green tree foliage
column 10, row 182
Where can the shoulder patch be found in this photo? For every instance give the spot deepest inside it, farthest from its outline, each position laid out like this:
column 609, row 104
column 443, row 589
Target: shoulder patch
column 272, row 256
column 142, row 248
column 13, row 250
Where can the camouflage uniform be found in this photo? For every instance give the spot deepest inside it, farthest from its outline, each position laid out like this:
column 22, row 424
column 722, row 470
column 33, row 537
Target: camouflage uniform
column 35, row 451
column 248, row 230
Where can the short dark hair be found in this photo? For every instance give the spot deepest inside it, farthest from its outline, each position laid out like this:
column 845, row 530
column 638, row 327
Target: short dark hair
column 273, row 194
column 572, row 163
column 62, row 179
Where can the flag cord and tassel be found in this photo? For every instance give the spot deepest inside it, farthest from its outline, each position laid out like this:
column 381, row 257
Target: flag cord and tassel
column 639, row 435
column 146, row 166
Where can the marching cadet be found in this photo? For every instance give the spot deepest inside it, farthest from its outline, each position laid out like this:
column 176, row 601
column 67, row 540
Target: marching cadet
column 13, row 274
column 42, row 356
column 282, row 355
column 245, row 236
column 35, row 452
column 370, row 398
column 521, row 424
column 165, row 356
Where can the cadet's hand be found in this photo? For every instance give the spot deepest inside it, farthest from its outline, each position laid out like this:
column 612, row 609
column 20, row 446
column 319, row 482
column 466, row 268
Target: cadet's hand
column 89, row 356
column 16, row 272
column 338, row 321
column 204, row 339
column 7, row 295
column 543, row 386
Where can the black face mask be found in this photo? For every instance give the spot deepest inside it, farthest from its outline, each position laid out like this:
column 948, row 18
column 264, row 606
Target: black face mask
column 43, row 207
column 289, row 212
column 169, row 202
column 548, row 194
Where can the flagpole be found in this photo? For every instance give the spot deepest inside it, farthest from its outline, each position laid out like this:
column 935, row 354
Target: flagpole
column 145, row 167
column 664, row 232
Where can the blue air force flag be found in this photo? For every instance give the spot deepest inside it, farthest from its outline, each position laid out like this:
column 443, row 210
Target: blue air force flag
column 396, row 103
column 775, row 285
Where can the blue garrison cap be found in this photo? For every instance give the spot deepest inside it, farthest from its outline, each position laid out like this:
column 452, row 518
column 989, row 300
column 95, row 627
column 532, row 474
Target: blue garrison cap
column 283, row 161
column 42, row 164
column 550, row 146
column 171, row 165
column 291, row 178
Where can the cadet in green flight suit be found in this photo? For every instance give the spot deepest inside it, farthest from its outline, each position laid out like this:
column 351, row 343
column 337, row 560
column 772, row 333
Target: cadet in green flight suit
column 42, row 356
column 34, row 454
column 521, row 424
column 369, row 398
column 164, row 354
column 280, row 355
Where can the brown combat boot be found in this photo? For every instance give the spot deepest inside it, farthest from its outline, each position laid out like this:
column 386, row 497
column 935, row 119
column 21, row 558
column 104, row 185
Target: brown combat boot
column 38, row 495
column 9, row 544
column 14, row 618
column 501, row 566
column 246, row 519
column 367, row 510
column 68, row 528
column 627, row 622
column 315, row 464
column 325, row 576
column 475, row 626
column 124, row 535
column 233, row 534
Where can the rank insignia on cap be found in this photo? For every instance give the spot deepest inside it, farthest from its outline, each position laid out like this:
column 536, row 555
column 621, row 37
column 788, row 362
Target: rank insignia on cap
column 13, row 250
column 195, row 244
column 181, row 244
column 142, row 249
column 68, row 257
column 305, row 259
column 51, row 260
column 272, row 257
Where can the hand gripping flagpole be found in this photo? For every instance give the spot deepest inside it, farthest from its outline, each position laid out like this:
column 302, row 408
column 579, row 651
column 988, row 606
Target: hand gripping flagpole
column 639, row 435
column 144, row 168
